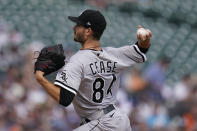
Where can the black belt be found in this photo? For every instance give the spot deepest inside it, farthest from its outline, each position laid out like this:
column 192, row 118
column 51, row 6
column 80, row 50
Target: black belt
column 105, row 110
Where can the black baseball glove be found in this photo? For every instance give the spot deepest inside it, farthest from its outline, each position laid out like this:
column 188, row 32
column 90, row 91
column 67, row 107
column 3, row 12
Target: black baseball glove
column 50, row 59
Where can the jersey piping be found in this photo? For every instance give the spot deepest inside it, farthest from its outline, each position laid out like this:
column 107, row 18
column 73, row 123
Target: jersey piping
column 139, row 52
column 61, row 84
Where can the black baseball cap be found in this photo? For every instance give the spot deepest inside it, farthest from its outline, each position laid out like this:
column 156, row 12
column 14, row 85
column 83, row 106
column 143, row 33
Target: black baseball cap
column 90, row 19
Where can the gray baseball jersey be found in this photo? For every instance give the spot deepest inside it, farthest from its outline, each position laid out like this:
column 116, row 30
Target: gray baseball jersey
column 94, row 77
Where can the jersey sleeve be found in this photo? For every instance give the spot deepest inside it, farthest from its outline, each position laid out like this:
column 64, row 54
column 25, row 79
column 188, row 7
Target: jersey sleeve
column 69, row 77
column 132, row 53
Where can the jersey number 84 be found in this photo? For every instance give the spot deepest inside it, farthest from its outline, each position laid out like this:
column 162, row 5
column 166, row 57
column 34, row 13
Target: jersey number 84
column 98, row 92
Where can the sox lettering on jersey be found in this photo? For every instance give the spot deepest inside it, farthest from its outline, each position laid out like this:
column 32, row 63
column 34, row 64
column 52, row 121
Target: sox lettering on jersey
column 63, row 76
column 102, row 67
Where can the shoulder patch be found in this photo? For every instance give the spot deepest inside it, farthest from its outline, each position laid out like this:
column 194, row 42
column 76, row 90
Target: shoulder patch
column 64, row 76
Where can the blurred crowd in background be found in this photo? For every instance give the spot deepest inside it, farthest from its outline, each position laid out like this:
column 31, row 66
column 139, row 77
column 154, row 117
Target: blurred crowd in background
column 151, row 103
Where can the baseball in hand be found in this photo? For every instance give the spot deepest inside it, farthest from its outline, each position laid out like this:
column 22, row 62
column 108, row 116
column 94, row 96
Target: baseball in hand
column 143, row 33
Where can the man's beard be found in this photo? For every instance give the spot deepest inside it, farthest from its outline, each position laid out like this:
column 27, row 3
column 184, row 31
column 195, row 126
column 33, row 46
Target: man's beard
column 79, row 38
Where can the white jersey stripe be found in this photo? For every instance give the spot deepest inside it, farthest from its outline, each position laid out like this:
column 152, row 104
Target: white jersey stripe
column 65, row 86
column 140, row 53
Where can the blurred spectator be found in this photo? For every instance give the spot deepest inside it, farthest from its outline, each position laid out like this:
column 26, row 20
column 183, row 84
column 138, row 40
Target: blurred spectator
column 158, row 119
column 135, row 84
column 11, row 76
column 9, row 47
column 135, row 81
column 182, row 88
column 15, row 38
column 155, row 75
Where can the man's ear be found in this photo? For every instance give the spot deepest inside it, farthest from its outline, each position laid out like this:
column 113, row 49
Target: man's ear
column 89, row 31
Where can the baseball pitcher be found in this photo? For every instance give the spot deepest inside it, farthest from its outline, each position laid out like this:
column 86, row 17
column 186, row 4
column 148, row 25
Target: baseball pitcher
column 91, row 77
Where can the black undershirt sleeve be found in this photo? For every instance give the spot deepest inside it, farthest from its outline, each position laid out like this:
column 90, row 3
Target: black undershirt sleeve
column 143, row 50
column 66, row 97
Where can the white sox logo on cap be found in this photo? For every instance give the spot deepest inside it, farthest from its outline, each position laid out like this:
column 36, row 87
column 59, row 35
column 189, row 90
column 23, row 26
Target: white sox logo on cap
column 88, row 23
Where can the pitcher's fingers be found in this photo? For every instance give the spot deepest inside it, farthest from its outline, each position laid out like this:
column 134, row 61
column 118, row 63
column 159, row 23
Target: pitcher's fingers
column 141, row 37
column 150, row 33
column 138, row 36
